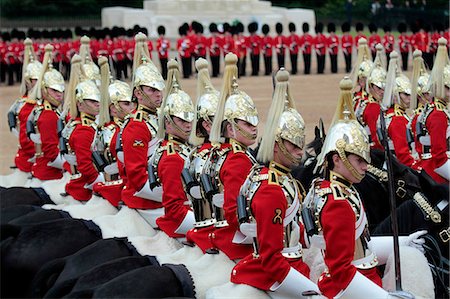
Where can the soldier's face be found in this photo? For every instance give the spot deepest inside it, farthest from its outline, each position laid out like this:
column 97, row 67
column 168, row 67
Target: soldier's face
column 55, row 94
column 89, row 106
column 447, row 94
column 405, row 99
column 248, row 129
column 30, row 84
column 291, row 148
column 127, row 107
column 179, row 127
column 149, row 96
column 358, row 163
column 377, row 92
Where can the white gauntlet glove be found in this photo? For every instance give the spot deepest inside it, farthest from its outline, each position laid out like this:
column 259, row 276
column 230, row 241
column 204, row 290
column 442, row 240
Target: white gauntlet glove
column 414, row 240
column 36, row 138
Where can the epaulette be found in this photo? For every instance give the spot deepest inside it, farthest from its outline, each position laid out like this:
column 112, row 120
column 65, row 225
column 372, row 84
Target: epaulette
column 237, row 148
column 272, row 178
column 138, row 116
column 337, row 192
column 440, row 105
column 47, row 106
column 28, row 101
column 87, row 120
column 322, row 192
column 170, row 148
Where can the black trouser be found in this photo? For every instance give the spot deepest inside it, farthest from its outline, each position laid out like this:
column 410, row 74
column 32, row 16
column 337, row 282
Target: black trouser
column 348, row 62
column 320, row 63
column 215, row 63
column 334, row 65
column 268, row 65
column 163, row 63
column 428, row 59
column 374, row 54
column 294, row 58
column 280, row 59
column 187, row 66
column 18, row 71
column 242, row 63
column 3, row 67
column 10, row 70
column 405, row 60
column 307, row 60
column 255, row 64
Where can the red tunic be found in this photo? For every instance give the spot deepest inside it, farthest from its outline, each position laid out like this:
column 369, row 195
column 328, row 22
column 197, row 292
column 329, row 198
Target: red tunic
column 241, row 45
column 47, row 127
column 333, row 44
column 270, row 266
column 347, row 43
column 359, row 36
column 281, row 43
column 340, row 245
column 135, row 141
column 404, row 43
column 420, row 41
column 26, row 146
column 293, row 43
column 267, row 45
column 174, row 197
column 388, row 43
column 233, row 173
column 320, row 44
column 228, row 44
column 254, row 42
column 370, row 117
column 163, row 47
column 80, row 142
column 215, row 44
column 307, row 42
column 200, row 45
column 374, row 40
column 184, row 47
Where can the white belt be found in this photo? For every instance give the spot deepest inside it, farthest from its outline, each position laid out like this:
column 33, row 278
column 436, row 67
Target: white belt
column 75, row 176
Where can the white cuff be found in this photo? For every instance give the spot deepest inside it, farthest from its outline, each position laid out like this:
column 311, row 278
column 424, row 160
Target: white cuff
column 36, row 138
column 120, row 156
column 195, row 192
column 293, row 286
column 57, row 163
column 444, row 170
column 362, row 287
column 218, row 200
column 112, row 168
column 147, row 193
column 186, row 224
column 71, row 159
column 15, row 132
column 382, row 247
column 100, row 179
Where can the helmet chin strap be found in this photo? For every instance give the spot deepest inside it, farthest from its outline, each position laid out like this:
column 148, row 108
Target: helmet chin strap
column 176, row 127
column 244, row 133
column 50, row 99
column 146, row 97
column 286, row 153
column 349, row 165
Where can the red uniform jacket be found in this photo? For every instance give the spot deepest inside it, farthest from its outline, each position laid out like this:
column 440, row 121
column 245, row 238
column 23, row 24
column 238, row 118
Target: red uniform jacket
column 267, row 45
column 333, row 44
column 340, row 246
column 293, row 43
column 347, row 43
column 228, row 44
column 370, row 117
column 404, row 43
column 357, row 37
column 388, row 43
column 80, row 142
column 437, row 125
column 174, row 197
column 215, row 44
column 200, row 45
column 26, row 146
column 374, row 40
column 421, row 41
column 47, row 126
column 270, row 266
column 281, row 43
column 255, row 43
column 320, row 44
column 241, row 45
column 184, row 47
column 135, row 141
column 163, row 47
column 233, row 173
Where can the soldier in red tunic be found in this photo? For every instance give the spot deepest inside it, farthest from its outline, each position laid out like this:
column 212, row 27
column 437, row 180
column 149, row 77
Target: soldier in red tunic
column 185, row 49
column 306, row 44
column 359, row 75
column 404, row 44
column 320, row 47
column 255, row 43
column 388, row 41
column 43, row 120
column 280, row 44
column 163, row 48
column 116, row 104
column 235, row 126
column 267, row 49
column 22, row 107
column 294, row 46
column 168, row 160
column 333, row 47
column 347, row 46
column 435, row 120
column 269, row 205
column 350, row 253
column 370, row 110
column 242, row 45
column 374, row 39
column 228, row 41
column 138, row 135
column 207, row 100
column 80, row 133
column 199, row 40
column 396, row 99
column 215, row 44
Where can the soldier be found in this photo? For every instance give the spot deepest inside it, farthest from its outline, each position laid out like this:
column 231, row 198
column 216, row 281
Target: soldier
column 138, row 135
column 254, row 41
column 163, row 48
column 320, row 47
column 359, row 32
column 404, row 44
column 207, row 100
column 420, row 99
column 281, row 43
column 370, row 109
column 215, row 44
column 388, row 41
column 167, row 162
column 200, row 41
column 80, row 133
column 241, row 44
column 294, row 46
column 185, row 48
column 116, row 104
column 42, row 127
column 435, row 121
column 269, row 205
column 359, row 75
column 374, row 39
column 235, row 125
column 396, row 99
column 333, row 47
column 347, row 46
column 22, row 107
column 306, row 41
column 350, row 253
column 228, row 41
column 267, row 49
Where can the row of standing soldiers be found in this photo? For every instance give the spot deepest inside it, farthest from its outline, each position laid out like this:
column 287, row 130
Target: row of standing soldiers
column 193, row 44
column 189, row 170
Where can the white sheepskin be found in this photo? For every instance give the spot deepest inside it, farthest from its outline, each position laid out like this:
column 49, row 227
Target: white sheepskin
column 16, row 179
column 182, row 256
column 54, row 188
column 95, row 207
column 313, row 258
column 126, row 223
column 415, row 272
column 158, row 244
column 235, row 291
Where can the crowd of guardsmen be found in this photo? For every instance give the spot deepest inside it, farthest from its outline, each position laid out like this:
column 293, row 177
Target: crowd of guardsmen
column 189, row 171
column 265, row 48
